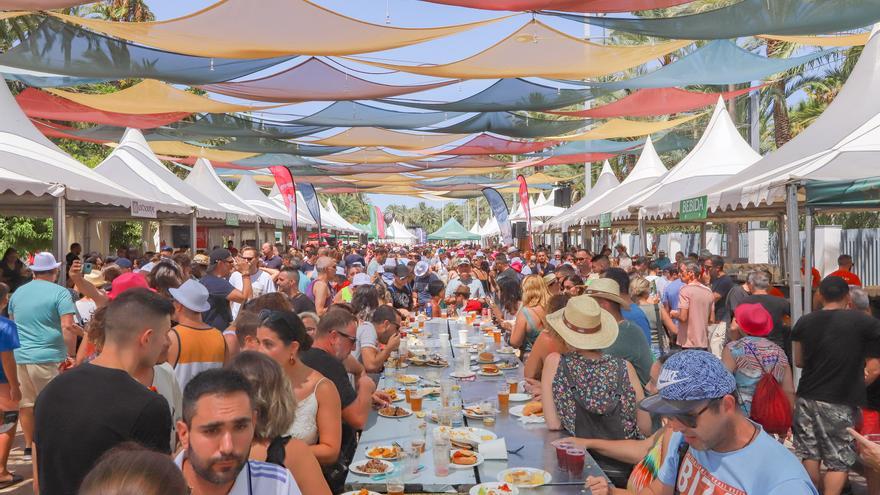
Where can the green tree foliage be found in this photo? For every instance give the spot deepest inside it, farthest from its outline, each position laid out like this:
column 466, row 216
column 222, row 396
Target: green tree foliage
column 25, row 234
column 125, row 234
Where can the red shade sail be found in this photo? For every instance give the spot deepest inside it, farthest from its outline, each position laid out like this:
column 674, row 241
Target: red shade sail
column 596, row 6
column 487, row 144
column 42, row 105
column 656, row 101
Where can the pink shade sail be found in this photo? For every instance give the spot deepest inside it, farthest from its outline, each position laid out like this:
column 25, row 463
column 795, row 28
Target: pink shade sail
column 42, row 105
column 594, row 6
column 313, row 80
column 487, row 144
column 656, row 101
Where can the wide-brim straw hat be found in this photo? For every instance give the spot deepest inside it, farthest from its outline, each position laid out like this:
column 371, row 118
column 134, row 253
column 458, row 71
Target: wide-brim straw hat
column 584, row 325
column 605, row 288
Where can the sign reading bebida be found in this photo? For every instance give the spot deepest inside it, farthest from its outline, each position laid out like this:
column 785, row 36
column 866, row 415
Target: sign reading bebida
column 693, row 209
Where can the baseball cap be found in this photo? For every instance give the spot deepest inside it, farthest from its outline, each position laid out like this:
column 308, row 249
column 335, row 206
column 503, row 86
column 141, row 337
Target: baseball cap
column 219, row 254
column 127, row 281
column 401, row 271
column 421, row 268
column 512, row 249
column 167, row 249
column 126, row 263
column 360, row 279
column 754, row 319
column 192, row 295
column 687, row 380
column 340, row 272
column 147, row 268
column 517, row 265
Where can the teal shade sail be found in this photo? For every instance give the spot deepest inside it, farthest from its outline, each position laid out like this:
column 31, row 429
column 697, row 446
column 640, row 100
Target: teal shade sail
column 270, row 145
column 513, row 125
column 212, row 125
column 354, row 114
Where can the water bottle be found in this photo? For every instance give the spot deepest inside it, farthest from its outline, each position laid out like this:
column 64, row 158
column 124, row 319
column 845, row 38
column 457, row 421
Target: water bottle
column 429, row 311
column 457, row 416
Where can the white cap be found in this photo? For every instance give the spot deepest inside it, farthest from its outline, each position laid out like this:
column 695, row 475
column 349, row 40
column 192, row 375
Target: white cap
column 361, row 279
column 340, row 271
column 44, row 262
column 147, row 268
column 192, row 295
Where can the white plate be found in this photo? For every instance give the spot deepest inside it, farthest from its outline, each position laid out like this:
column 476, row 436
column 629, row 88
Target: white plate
column 506, row 350
column 471, row 415
column 520, row 397
column 494, row 484
column 481, row 372
column 452, row 465
column 470, row 434
column 368, row 449
column 460, row 345
column 547, row 477
column 518, row 412
column 505, row 367
column 462, row 374
column 354, row 468
column 414, row 379
column 408, row 413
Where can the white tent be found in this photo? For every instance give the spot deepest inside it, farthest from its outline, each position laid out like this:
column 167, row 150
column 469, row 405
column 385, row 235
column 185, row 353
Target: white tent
column 476, row 228
column 250, row 193
column 19, row 184
column 604, row 182
column 648, row 170
column 843, row 143
column 720, row 153
column 134, row 164
column 397, row 232
column 336, row 219
column 204, row 179
column 302, row 212
column 490, row 228
column 544, row 207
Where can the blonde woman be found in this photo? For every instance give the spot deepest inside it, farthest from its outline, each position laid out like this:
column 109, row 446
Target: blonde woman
column 530, row 317
column 640, row 290
column 276, row 409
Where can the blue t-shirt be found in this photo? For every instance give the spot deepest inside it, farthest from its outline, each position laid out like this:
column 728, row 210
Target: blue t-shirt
column 670, row 294
column 763, row 467
column 637, row 316
column 8, row 341
column 37, row 307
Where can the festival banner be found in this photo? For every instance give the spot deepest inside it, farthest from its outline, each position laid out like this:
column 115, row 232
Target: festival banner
column 287, row 187
column 524, row 201
column 499, row 209
column 311, row 198
column 378, row 220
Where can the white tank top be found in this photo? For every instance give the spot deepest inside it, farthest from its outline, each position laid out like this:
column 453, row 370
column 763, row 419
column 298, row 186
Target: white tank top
column 305, row 425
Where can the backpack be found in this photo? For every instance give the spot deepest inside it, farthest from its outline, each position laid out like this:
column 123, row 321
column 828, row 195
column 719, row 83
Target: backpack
column 770, row 406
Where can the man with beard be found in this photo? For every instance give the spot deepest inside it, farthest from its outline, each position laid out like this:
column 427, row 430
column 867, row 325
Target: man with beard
column 216, row 434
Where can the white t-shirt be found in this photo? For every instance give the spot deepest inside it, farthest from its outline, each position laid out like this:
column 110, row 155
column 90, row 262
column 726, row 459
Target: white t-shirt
column 261, row 282
column 367, row 337
column 85, row 308
column 258, row 478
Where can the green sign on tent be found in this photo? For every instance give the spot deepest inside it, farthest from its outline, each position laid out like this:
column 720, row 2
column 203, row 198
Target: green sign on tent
column 693, row 209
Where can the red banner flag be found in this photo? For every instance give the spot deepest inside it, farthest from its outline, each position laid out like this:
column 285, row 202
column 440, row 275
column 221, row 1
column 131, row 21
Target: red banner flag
column 380, row 223
column 524, row 200
column 287, row 187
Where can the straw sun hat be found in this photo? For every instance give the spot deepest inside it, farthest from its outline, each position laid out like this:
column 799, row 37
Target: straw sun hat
column 582, row 324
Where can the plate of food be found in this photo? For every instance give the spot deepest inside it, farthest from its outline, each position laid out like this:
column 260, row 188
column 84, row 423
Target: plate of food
column 490, row 370
column 384, row 452
column 393, row 394
column 508, row 365
column 475, row 348
column 463, row 458
column 364, row 491
column 532, row 409
column 462, row 374
column 437, row 362
column 429, row 391
column 525, row 477
column 408, row 379
column 519, row 397
column 477, row 411
column 459, row 345
column 486, row 357
column 494, row 488
column 418, row 360
column 469, row 435
column 507, row 350
column 371, row 467
column 394, row 412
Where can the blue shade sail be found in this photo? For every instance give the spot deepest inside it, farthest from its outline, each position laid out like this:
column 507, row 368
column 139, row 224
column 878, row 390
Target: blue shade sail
column 270, row 145
column 513, row 125
column 748, row 18
column 48, row 81
column 64, row 49
column 353, row 114
column 270, row 159
column 592, row 146
column 212, row 125
column 506, row 94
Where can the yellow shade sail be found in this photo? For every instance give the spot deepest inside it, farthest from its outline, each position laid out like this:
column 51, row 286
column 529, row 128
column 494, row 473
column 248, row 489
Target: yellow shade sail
column 151, row 96
column 460, row 172
column 375, row 136
column 542, row 178
column 10, row 15
column 393, row 179
column 267, row 28
column 370, row 155
column 620, row 128
column 177, row 148
column 842, row 40
column 537, row 50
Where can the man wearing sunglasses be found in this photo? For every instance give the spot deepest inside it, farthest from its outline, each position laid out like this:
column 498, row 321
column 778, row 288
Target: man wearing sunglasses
column 715, row 448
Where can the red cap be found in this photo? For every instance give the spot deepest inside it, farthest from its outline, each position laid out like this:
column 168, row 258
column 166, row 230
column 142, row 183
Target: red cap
column 127, row 281
column 516, row 265
column 473, row 305
column 754, row 319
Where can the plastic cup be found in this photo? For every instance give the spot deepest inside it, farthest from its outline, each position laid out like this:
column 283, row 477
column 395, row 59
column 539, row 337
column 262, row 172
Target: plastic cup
column 440, row 451
column 415, row 401
column 394, row 484
column 444, row 313
column 562, row 455
column 503, row 397
column 575, row 461
column 408, row 393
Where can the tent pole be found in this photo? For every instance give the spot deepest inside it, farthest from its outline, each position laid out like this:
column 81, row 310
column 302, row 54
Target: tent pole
column 794, row 274
column 780, row 245
column 59, row 233
column 643, row 236
column 809, row 228
column 702, row 236
column 258, row 234
column 193, row 228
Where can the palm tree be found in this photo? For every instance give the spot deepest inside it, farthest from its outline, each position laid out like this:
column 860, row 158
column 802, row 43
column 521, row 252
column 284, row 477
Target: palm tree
column 125, row 11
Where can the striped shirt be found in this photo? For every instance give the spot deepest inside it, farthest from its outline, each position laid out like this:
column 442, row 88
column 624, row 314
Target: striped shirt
column 258, row 478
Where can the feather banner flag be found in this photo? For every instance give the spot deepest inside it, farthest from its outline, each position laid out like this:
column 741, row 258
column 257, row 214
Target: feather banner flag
column 287, row 187
column 499, row 209
column 378, row 221
column 311, row 198
column 524, row 201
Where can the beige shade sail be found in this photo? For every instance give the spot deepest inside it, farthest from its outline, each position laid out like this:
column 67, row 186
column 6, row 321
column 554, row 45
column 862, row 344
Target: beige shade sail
column 375, row 136
column 151, row 96
column 267, row 28
column 542, row 178
column 381, row 178
column 620, row 128
column 841, row 40
column 177, row 148
column 461, row 172
column 537, row 50
column 370, row 155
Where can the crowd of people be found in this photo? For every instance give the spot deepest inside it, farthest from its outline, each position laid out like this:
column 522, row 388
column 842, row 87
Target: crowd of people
column 253, row 370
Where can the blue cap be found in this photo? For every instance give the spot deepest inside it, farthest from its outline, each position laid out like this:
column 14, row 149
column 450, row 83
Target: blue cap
column 687, row 380
column 123, row 262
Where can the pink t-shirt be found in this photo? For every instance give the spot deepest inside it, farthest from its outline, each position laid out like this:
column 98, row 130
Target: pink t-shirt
column 699, row 301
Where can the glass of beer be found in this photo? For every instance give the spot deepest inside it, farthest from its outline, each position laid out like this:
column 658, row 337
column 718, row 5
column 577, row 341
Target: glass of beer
column 575, row 461
column 496, row 336
column 408, row 391
column 503, row 397
column 513, row 383
column 415, row 401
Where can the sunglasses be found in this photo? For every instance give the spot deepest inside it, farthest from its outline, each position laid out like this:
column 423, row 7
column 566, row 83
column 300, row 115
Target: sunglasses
column 690, row 419
column 581, row 259
column 351, row 339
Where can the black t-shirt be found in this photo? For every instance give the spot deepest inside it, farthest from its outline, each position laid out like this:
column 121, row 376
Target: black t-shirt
column 332, row 368
column 274, row 262
column 220, row 314
column 13, row 277
column 401, row 297
column 722, row 285
column 87, row 411
column 778, row 308
column 834, row 345
column 302, row 304
column 873, row 392
column 734, row 298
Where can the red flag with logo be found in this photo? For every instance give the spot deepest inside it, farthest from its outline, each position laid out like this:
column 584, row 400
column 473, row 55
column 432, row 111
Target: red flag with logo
column 524, row 200
column 287, row 187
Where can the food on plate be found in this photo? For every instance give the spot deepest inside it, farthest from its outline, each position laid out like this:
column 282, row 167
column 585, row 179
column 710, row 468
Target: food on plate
column 384, row 452
column 363, row 491
column 486, row 357
column 476, row 411
column 373, row 466
column 426, row 391
column 506, row 350
column 478, row 347
column 508, row 365
column 491, row 369
column 407, row 379
column 523, row 477
column 502, row 489
column 436, row 360
column 464, row 457
column 392, row 394
column 394, row 411
column 533, row 408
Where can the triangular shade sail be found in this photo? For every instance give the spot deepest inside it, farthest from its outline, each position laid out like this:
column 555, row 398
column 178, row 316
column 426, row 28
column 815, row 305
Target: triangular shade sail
column 453, row 172
column 620, row 128
column 720, row 153
column 564, row 160
column 373, row 136
column 462, row 181
column 41, row 105
column 133, row 163
column 459, row 162
column 270, row 159
column 45, row 80
column 717, row 62
column 353, row 114
column 655, row 101
column 592, row 146
column 453, row 231
column 386, row 168
column 596, row 6
column 750, row 17
column 842, row 40
column 269, row 28
column 249, row 192
column 178, row 148
column 313, row 80
column 371, row 155
column 487, row 144
column 270, row 145
column 225, row 125
column 538, row 50
column 604, row 183
column 151, row 96
column 205, row 179
column 543, row 179
column 513, row 125
column 506, row 94
column 60, row 48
